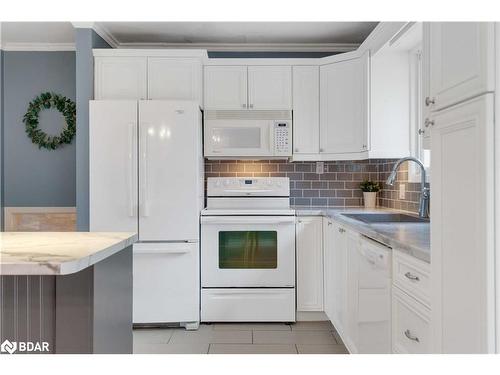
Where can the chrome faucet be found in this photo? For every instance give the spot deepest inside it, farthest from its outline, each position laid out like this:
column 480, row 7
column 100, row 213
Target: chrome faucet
column 425, row 195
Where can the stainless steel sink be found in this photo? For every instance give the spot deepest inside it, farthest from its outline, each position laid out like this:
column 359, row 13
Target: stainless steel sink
column 387, row 218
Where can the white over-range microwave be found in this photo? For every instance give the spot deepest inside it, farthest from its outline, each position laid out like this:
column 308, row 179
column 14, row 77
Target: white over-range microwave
column 247, row 134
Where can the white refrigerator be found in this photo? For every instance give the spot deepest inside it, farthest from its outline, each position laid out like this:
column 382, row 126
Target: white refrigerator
column 146, row 176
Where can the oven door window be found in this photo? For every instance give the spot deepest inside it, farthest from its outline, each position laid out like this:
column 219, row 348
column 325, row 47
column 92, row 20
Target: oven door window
column 248, row 249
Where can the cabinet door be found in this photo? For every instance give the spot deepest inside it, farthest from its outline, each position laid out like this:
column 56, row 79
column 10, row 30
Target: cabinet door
column 350, row 309
column 174, row 79
column 425, row 108
column 305, row 109
column 120, row 78
column 344, row 106
column 462, row 232
column 328, row 268
column 339, row 278
column 309, row 246
column 113, row 165
column 461, row 61
column 270, row 87
column 225, row 87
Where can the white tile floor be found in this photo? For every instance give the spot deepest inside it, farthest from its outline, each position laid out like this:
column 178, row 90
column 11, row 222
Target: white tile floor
column 244, row 338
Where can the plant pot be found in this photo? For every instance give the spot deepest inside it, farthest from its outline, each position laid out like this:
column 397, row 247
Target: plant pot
column 370, row 199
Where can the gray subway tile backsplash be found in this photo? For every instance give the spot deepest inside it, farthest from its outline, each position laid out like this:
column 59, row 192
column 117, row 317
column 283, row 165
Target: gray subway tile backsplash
column 338, row 186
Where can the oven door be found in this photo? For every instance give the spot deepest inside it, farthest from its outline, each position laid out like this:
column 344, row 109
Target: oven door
column 241, row 138
column 247, row 251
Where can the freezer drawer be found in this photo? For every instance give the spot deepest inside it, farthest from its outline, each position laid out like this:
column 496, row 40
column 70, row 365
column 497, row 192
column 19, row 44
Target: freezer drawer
column 248, row 305
column 166, row 283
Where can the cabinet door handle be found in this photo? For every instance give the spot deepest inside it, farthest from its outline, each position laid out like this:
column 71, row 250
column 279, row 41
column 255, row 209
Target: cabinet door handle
column 428, row 122
column 412, row 277
column 421, row 131
column 409, row 336
column 321, row 150
column 244, row 105
column 429, row 101
column 329, row 223
column 296, row 150
column 251, row 105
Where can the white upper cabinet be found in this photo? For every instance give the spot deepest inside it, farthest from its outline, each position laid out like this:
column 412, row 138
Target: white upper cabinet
column 461, row 61
column 270, row 87
column 225, row 87
column 305, row 109
column 252, row 87
column 170, row 78
column 120, row 78
column 309, row 263
column 344, row 106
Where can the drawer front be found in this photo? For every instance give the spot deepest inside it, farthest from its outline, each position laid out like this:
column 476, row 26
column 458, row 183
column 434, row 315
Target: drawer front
column 412, row 276
column 410, row 325
column 248, row 305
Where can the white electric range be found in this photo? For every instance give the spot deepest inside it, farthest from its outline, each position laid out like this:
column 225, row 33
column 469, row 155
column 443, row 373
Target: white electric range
column 248, row 251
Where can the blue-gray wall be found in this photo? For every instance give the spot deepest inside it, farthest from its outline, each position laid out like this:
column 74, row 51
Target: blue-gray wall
column 85, row 41
column 1, row 137
column 33, row 176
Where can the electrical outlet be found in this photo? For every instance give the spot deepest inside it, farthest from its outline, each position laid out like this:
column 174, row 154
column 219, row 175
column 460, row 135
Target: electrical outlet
column 402, row 191
column 320, row 167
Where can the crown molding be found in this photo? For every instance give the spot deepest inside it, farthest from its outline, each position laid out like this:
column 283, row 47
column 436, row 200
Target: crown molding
column 100, row 30
column 250, row 47
column 47, row 47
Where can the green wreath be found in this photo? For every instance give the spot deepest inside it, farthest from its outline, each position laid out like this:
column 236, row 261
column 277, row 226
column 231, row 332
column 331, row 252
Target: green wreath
column 49, row 100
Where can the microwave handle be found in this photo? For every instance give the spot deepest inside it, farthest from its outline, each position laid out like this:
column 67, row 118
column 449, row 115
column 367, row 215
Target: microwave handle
column 272, row 140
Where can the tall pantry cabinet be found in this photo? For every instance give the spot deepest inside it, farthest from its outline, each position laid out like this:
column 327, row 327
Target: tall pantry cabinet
column 460, row 108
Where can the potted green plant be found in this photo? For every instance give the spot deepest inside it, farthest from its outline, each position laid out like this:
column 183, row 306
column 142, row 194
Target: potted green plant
column 370, row 190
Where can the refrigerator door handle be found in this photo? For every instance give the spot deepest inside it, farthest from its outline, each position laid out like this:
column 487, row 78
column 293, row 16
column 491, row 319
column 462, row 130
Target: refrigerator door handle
column 131, row 157
column 144, row 170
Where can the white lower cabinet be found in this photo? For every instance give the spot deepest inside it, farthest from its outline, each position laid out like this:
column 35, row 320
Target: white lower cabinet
column 340, row 254
column 411, row 332
column 309, row 247
column 369, row 312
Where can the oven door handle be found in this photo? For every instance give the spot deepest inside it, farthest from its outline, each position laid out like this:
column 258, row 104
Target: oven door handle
column 248, row 220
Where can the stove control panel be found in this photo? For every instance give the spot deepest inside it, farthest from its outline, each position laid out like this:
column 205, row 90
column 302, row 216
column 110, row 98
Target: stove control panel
column 248, row 186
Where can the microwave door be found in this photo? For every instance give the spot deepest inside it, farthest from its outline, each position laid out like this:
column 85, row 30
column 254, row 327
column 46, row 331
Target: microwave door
column 241, row 138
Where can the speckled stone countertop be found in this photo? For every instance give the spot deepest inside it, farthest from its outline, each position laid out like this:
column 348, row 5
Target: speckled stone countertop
column 57, row 253
column 410, row 238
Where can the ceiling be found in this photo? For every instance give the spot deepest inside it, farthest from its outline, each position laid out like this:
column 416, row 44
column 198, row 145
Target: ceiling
column 239, row 32
column 210, row 35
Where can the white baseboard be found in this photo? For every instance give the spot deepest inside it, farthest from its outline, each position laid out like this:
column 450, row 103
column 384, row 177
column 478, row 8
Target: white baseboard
column 311, row 316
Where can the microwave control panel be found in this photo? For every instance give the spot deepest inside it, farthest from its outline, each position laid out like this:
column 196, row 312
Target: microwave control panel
column 282, row 138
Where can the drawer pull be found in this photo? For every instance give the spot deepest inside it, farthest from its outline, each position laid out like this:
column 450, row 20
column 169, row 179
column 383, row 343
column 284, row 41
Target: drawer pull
column 410, row 337
column 412, row 277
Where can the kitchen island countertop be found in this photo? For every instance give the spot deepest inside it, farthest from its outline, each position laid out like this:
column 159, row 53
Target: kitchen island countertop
column 58, row 253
